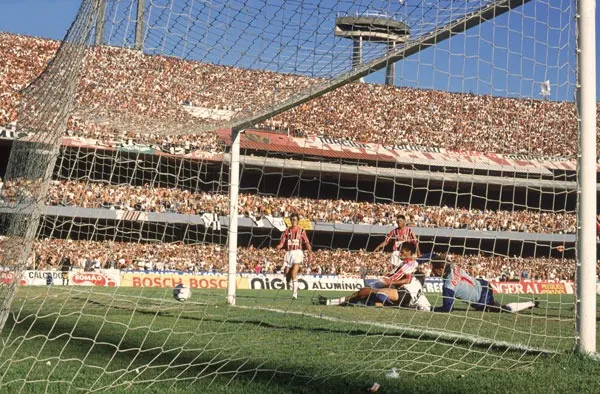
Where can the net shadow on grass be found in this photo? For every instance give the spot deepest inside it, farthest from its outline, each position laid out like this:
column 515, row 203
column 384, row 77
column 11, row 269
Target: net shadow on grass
column 111, row 351
column 177, row 368
column 368, row 331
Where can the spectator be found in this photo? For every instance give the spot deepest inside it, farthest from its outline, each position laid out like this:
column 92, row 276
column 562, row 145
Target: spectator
column 173, row 200
column 125, row 97
column 189, row 257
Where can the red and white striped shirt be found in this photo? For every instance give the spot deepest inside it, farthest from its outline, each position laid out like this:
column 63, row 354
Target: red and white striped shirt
column 406, row 270
column 401, row 235
column 295, row 237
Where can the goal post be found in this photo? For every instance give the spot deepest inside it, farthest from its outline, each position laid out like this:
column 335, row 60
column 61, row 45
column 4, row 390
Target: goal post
column 232, row 232
column 587, row 235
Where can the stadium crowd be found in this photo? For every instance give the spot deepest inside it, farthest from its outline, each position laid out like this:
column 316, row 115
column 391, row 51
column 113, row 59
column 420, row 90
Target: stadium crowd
column 127, row 97
column 174, row 200
column 93, row 255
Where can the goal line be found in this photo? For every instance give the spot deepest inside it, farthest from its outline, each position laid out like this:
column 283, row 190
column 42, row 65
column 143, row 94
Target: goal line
column 435, row 334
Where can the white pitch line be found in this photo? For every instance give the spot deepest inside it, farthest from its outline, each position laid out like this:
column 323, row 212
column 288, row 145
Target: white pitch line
column 440, row 334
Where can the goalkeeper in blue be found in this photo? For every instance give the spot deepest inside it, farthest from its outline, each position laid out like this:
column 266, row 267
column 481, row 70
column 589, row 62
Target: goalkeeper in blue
column 459, row 285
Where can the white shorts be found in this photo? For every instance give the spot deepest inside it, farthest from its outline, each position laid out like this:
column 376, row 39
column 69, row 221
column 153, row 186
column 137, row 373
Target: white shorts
column 418, row 299
column 293, row 257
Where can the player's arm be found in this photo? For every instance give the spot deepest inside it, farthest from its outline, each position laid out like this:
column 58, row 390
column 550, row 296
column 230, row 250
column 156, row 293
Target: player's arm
column 307, row 245
column 415, row 241
column 400, row 282
column 283, row 239
column 385, row 242
column 306, row 242
column 401, row 276
column 448, row 295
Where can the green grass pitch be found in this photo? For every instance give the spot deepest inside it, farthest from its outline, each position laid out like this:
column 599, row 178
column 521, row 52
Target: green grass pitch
column 76, row 339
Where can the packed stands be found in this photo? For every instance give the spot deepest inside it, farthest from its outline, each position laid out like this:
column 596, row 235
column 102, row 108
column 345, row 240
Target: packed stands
column 174, row 200
column 92, row 255
column 125, row 95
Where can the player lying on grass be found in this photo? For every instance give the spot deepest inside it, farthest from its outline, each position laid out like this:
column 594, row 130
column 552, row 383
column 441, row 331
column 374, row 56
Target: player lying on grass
column 401, row 287
column 459, row 285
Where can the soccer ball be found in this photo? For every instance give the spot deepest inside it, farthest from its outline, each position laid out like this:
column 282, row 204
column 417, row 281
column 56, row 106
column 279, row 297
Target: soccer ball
column 181, row 293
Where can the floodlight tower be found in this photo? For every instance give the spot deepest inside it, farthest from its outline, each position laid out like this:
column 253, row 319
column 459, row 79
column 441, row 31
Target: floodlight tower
column 372, row 27
column 139, row 25
column 100, row 18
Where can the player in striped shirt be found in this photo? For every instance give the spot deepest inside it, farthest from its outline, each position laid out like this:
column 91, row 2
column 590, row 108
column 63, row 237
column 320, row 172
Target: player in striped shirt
column 459, row 285
column 400, row 287
column 292, row 239
column 400, row 235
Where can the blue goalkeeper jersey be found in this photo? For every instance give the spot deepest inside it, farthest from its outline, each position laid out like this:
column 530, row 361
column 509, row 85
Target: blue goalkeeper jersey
column 459, row 285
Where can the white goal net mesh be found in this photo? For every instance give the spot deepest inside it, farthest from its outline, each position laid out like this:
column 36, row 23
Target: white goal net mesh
column 458, row 115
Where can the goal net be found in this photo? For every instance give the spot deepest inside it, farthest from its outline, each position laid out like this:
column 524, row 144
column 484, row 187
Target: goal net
column 458, row 115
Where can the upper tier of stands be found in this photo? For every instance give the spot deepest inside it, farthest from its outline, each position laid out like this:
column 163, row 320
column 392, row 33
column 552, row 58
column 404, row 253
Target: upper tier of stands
column 125, row 95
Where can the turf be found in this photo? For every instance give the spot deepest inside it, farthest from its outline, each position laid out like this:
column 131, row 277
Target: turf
column 68, row 339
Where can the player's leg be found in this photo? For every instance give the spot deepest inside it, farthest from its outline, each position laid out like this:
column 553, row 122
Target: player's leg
column 422, row 303
column 354, row 298
column 286, row 269
column 515, row 307
column 386, row 297
column 419, row 300
column 286, row 276
column 294, row 279
column 402, row 297
column 334, row 301
column 486, row 302
column 416, row 298
column 365, row 296
column 491, row 305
